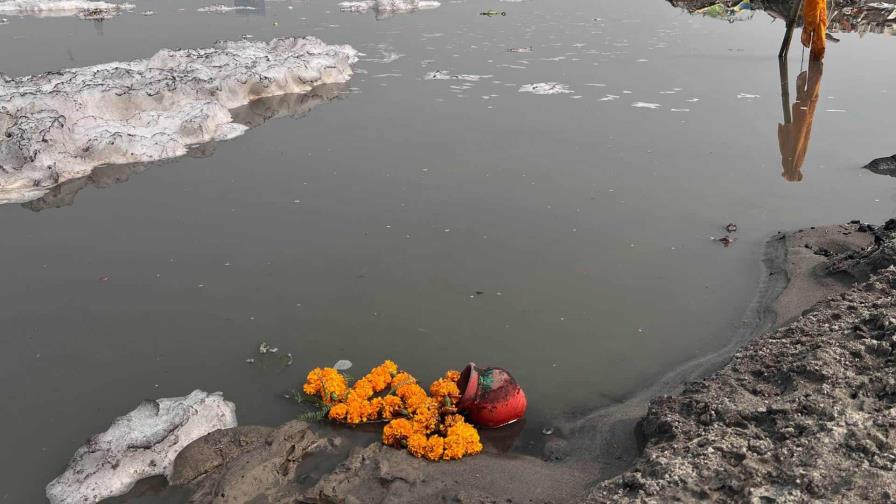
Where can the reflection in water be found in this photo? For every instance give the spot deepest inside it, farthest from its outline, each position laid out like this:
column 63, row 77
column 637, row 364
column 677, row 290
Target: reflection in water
column 846, row 16
column 253, row 114
column 794, row 133
column 257, row 112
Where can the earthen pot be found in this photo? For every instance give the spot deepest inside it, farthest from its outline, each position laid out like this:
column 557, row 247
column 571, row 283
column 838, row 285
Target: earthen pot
column 490, row 397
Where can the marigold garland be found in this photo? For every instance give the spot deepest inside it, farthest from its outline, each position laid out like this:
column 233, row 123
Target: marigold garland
column 427, row 425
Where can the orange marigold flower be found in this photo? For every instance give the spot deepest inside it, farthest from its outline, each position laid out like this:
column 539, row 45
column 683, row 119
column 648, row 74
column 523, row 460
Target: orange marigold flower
column 312, row 382
column 397, row 431
column 411, row 393
column 338, row 412
column 327, row 383
column 442, row 388
column 449, row 421
column 426, row 417
column 390, row 366
column 468, row 435
column 417, row 445
column 453, row 448
column 435, row 447
column 359, row 410
column 392, row 407
column 379, row 379
column 375, row 408
column 401, row 379
column 452, row 375
column 409, row 390
column 362, row 389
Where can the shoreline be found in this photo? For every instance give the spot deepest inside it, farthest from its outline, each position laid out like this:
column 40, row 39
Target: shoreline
column 787, row 418
column 595, row 448
column 788, row 285
column 608, row 455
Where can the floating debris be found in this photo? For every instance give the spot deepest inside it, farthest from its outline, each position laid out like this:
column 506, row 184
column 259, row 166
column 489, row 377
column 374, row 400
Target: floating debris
column 726, row 240
column 545, row 88
column 492, row 13
column 747, row 96
column 445, row 75
column 521, row 49
column 264, row 348
column 342, row 365
column 731, row 228
column 547, row 431
column 646, row 105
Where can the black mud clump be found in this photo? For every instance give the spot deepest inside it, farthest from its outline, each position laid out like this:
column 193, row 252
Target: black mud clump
column 862, row 264
column 883, row 166
column 802, row 414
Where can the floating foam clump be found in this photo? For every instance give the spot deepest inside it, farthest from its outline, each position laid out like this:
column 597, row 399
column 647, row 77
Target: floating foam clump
column 384, row 8
column 545, row 88
column 138, row 445
column 87, row 9
column 60, row 125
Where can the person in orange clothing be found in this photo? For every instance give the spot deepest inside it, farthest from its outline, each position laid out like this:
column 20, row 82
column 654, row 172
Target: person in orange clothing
column 815, row 27
column 794, row 133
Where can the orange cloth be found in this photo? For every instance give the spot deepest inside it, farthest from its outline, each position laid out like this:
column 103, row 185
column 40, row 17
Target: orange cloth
column 815, row 26
column 793, row 138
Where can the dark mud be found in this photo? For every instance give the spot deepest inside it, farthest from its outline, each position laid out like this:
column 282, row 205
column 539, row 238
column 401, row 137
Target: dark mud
column 802, row 414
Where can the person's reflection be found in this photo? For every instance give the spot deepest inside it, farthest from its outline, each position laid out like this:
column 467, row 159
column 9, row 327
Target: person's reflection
column 794, row 133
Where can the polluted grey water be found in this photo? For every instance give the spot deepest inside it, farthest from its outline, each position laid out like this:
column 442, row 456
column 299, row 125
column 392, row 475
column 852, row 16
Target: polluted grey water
column 566, row 237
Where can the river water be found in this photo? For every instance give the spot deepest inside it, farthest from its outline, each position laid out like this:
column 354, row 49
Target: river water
column 567, row 238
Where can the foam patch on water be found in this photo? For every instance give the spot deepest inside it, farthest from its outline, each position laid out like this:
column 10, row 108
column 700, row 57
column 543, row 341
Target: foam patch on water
column 86, row 9
column 60, row 125
column 223, row 9
column 545, row 88
column 446, row 75
column 385, row 8
column 646, row 105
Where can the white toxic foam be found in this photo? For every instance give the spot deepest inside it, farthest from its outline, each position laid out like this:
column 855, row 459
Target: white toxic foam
column 57, row 8
column 545, row 88
column 223, row 9
column 387, row 7
column 60, row 125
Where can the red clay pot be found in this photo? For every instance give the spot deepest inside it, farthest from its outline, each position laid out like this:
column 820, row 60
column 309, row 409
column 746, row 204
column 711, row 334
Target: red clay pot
column 490, row 397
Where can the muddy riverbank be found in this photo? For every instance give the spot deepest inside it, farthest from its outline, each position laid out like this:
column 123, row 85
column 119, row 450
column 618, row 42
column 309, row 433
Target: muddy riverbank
column 798, row 413
column 804, row 413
